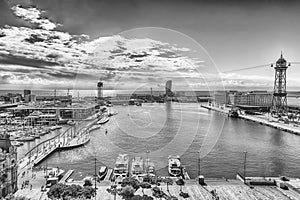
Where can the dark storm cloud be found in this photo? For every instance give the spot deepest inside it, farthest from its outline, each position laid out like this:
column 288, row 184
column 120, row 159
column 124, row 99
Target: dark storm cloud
column 18, row 60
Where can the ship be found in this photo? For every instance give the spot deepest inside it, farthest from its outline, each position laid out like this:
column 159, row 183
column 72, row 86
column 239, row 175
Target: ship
column 102, row 172
column 121, row 166
column 137, row 166
column 174, row 166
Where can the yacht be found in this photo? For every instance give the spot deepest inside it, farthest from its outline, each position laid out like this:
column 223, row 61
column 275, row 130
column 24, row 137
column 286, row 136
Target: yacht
column 103, row 120
column 102, row 172
column 137, row 166
column 149, row 167
column 121, row 165
column 174, row 166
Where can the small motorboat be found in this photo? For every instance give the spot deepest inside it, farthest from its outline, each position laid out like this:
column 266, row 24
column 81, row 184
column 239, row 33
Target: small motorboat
column 102, row 172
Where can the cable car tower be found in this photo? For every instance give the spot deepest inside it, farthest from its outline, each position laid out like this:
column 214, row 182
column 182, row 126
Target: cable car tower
column 279, row 101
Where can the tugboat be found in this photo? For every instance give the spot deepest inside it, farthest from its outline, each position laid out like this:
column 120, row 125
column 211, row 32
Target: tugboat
column 102, row 172
column 174, row 166
column 137, row 166
column 121, row 166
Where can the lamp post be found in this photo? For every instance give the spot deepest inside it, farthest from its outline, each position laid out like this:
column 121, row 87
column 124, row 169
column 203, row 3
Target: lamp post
column 199, row 165
column 95, row 177
column 147, row 152
column 245, row 160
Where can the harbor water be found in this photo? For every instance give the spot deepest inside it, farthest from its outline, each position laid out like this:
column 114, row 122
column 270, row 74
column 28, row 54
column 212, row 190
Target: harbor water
column 191, row 132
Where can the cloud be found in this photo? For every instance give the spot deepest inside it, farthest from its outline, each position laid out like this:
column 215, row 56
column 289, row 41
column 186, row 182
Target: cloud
column 33, row 16
column 43, row 56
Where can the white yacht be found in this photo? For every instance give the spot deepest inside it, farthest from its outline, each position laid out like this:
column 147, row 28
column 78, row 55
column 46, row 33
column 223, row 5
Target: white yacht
column 174, row 166
column 121, row 165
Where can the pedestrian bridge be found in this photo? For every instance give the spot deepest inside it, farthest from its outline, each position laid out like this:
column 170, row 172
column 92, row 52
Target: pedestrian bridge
column 74, row 136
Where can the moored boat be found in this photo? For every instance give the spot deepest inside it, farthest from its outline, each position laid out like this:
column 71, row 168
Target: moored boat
column 174, row 166
column 103, row 120
column 121, row 165
column 137, row 166
column 102, row 172
column 25, row 138
column 150, row 167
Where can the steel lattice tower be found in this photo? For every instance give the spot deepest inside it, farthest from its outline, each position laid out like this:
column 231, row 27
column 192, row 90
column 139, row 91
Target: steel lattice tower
column 279, row 101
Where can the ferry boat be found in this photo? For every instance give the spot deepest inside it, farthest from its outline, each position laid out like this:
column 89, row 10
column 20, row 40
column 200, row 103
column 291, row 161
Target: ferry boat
column 121, row 165
column 137, row 166
column 102, row 172
column 150, row 167
column 174, row 166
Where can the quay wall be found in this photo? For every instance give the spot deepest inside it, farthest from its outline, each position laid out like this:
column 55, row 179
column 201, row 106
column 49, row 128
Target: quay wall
column 277, row 125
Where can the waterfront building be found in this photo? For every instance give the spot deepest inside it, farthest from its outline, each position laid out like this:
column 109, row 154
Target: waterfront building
column 26, row 92
column 39, row 118
column 51, row 113
column 221, row 97
column 253, row 98
column 100, row 90
column 168, row 88
column 8, row 166
column 193, row 96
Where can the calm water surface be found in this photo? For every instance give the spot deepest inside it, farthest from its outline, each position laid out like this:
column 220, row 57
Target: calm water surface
column 184, row 130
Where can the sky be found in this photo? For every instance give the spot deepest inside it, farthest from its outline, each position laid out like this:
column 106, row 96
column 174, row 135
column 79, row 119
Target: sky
column 138, row 44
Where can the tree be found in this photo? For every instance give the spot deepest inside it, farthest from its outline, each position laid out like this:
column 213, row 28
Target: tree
column 131, row 182
column 127, row 192
column 145, row 185
column 113, row 191
column 157, row 193
column 63, row 191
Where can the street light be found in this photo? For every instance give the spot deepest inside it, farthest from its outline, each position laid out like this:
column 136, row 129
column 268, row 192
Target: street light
column 245, row 160
column 95, row 178
column 147, row 152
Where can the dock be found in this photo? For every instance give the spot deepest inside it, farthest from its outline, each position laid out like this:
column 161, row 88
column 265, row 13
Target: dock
column 66, row 176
